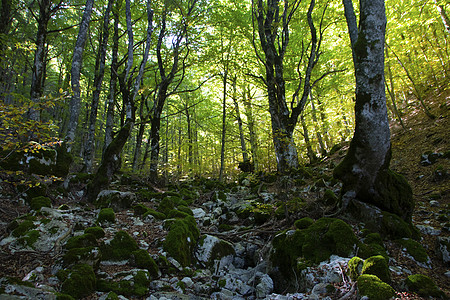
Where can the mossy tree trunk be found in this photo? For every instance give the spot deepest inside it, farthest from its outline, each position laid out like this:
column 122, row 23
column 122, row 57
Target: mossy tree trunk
column 365, row 169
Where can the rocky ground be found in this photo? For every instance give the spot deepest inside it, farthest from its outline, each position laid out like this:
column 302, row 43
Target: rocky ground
column 236, row 247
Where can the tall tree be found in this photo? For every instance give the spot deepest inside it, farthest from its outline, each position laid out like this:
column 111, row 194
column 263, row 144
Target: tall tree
column 365, row 169
column 47, row 8
column 273, row 31
column 75, row 73
column 89, row 147
column 167, row 77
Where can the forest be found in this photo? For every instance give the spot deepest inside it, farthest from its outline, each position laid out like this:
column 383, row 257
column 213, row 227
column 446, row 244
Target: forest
column 210, row 149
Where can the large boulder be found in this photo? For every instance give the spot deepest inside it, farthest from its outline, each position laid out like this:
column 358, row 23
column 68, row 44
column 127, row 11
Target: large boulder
column 211, row 248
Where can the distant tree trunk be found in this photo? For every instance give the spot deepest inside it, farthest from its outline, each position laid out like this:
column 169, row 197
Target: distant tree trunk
column 444, row 16
column 309, row 151
column 325, row 125
column 323, row 150
column 391, row 90
column 37, row 76
column 113, row 81
column 224, row 118
column 111, row 159
column 139, row 135
column 239, row 120
column 365, row 169
column 77, row 60
column 89, row 149
column 190, row 140
column 251, row 127
column 6, row 18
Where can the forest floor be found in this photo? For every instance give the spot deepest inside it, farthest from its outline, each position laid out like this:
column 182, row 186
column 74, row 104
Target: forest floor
column 430, row 183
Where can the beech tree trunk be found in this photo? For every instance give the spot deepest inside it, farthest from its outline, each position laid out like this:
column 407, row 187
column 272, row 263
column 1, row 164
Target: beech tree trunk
column 251, row 127
column 273, row 29
column 239, row 121
column 75, row 73
column 224, row 117
column 89, row 148
column 365, row 169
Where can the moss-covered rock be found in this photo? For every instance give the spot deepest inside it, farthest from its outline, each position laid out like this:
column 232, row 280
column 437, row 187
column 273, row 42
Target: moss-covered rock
column 96, row 231
column 88, row 255
column 61, row 296
column 168, row 203
column 211, row 248
column 330, row 198
column 378, row 266
column 175, row 213
column 303, row 223
column 23, row 228
column 134, row 283
column 314, row 244
column 181, row 240
column 355, row 266
column 115, row 199
column 82, row 241
column 120, row 247
column 158, row 215
column 140, row 209
column 395, row 227
column 424, row 286
column 106, row 215
column 142, row 259
column 78, row 282
column 372, row 287
column 29, row 238
column 41, row 201
column 416, row 250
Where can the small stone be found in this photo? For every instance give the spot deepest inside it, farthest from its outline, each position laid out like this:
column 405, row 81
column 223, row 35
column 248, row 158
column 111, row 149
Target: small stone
column 428, row 230
column 434, row 203
column 187, row 281
column 447, row 274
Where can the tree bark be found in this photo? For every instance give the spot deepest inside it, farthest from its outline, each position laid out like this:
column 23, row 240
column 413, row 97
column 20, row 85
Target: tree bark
column 444, row 17
column 365, row 169
column 75, row 72
column 239, row 121
column 89, row 149
column 224, row 119
column 37, row 76
column 251, row 127
column 113, row 81
column 309, row 151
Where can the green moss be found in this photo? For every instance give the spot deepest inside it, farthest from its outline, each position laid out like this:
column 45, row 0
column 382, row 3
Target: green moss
column 373, row 238
column 106, row 215
column 112, row 296
column 185, row 209
column 29, row 238
column 378, row 266
column 96, row 231
column 158, row 215
column 136, row 286
column 314, row 244
column 374, row 288
column 80, row 281
column 17, row 281
column 61, row 296
column 395, row 194
column 175, row 213
column 140, row 209
column 355, row 266
column 82, row 241
column 373, row 249
column 63, row 161
column 41, row 201
column 23, row 228
column 77, row 255
column 415, row 250
column 395, row 227
column 224, row 227
column 181, row 240
column 143, row 260
column 424, row 286
column 330, row 198
column 121, row 247
column 303, row 223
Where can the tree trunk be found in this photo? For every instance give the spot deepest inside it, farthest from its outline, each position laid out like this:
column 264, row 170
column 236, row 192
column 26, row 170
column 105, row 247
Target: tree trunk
column 224, row 118
column 77, row 60
column 444, row 16
column 239, row 120
column 89, row 149
column 251, row 127
column 113, row 81
column 323, row 150
column 365, row 169
column 39, row 58
column 391, row 90
column 309, row 151
column 139, row 135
